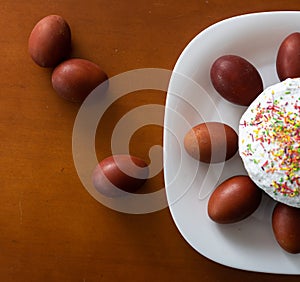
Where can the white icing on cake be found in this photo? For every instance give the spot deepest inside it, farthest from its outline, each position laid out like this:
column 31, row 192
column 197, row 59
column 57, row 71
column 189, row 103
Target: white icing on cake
column 269, row 141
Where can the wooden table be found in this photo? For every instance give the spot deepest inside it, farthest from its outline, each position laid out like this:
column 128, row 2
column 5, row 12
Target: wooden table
column 51, row 228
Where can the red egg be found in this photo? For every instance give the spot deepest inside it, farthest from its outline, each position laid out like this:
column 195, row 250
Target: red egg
column 118, row 174
column 50, row 41
column 288, row 57
column 286, row 227
column 74, row 79
column 236, row 79
column 211, row 142
column 234, row 199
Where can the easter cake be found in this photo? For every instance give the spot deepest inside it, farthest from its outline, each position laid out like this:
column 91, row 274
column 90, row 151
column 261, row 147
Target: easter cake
column 269, row 141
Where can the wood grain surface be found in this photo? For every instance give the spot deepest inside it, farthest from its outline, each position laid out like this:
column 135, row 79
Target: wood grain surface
column 51, row 229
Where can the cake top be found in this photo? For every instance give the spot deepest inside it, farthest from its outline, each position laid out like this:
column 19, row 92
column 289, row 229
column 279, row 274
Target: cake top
column 269, row 141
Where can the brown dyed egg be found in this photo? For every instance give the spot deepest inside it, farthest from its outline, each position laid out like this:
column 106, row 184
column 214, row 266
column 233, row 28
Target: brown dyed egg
column 50, row 41
column 120, row 173
column 234, row 200
column 236, row 79
column 75, row 78
column 211, row 142
column 286, row 227
column 288, row 57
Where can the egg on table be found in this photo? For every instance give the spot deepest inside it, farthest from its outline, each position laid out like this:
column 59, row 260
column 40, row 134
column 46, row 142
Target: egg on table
column 50, row 41
column 75, row 78
column 118, row 174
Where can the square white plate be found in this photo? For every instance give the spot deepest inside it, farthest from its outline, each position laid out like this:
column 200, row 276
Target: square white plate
column 191, row 99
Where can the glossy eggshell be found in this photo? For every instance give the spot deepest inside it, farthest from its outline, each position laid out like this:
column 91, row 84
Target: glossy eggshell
column 286, row 227
column 118, row 174
column 236, row 79
column 50, row 41
column 288, row 57
column 234, row 200
column 74, row 79
column 211, row 142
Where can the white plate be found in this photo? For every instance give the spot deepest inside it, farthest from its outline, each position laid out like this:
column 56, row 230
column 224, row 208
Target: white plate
column 191, row 99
